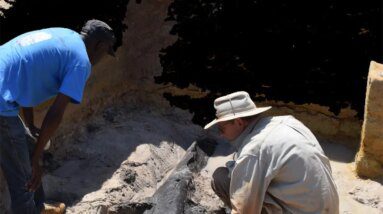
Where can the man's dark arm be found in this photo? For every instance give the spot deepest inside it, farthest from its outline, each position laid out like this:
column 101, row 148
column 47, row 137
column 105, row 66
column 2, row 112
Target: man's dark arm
column 28, row 116
column 50, row 124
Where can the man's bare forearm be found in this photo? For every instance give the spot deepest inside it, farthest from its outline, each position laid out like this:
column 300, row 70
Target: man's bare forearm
column 50, row 124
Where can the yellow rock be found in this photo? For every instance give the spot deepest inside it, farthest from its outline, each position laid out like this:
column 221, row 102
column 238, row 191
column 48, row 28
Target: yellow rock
column 369, row 160
column 368, row 167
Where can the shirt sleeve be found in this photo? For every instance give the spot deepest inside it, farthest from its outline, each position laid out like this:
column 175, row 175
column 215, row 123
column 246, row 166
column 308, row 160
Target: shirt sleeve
column 74, row 83
column 248, row 185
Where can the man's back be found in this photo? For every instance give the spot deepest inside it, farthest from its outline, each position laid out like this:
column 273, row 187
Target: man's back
column 291, row 173
column 34, row 67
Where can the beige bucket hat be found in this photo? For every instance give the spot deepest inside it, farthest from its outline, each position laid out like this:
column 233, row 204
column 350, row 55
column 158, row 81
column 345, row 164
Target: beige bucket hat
column 234, row 105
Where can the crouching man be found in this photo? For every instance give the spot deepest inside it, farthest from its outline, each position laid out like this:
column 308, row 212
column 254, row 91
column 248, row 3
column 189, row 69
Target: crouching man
column 279, row 165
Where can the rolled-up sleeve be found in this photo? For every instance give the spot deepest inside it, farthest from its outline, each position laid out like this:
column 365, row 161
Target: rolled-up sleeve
column 248, row 185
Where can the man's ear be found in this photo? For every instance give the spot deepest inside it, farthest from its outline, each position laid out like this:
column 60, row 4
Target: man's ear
column 98, row 44
column 241, row 122
column 238, row 121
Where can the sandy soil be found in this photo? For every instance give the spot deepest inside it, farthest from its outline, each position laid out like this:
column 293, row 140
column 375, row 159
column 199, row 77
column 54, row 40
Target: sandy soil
column 356, row 195
column 118, row 157
column 122, row 155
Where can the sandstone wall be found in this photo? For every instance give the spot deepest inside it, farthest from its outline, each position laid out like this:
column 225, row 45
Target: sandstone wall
column 369, row 161
column 343, row 128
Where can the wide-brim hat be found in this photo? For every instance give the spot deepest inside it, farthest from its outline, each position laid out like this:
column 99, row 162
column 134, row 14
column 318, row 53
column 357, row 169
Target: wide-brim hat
column 235, row 105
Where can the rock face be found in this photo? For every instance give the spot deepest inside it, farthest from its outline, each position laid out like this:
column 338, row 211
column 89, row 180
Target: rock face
column 369, row 160
column 343, row 128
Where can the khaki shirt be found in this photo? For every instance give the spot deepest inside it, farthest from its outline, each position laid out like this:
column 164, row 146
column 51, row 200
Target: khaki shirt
column 281, row 168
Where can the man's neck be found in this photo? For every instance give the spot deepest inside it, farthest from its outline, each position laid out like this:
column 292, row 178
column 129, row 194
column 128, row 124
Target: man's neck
column 249, row 126
column 88, row 45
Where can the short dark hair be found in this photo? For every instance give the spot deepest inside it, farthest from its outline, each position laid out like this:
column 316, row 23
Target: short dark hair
column 99, row 30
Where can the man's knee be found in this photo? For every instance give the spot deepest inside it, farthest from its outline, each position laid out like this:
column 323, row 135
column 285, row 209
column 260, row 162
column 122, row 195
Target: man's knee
column 220, row 179
column 220, row 172
column 220, row 183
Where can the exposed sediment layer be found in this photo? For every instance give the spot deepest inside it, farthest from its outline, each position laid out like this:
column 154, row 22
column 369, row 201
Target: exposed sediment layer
column 369, row 161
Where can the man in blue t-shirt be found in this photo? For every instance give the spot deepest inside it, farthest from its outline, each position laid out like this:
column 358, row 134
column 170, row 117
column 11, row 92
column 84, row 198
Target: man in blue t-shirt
column 35, row 67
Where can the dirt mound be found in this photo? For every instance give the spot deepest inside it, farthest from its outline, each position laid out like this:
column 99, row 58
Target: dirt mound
column 118, row 157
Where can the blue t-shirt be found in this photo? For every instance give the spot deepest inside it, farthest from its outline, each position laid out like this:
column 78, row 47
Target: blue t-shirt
column 38, row 65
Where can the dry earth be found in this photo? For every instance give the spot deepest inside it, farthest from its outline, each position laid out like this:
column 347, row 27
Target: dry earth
column 118, row 157
column 121, row 155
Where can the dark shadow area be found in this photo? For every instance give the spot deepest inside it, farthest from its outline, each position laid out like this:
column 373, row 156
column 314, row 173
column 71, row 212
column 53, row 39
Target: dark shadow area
column 303, row 52
column 379, row 180
column 26, row 16
column 341, row 153
column 136, row 208
column 207, row 145
column 202, row 108
column 96, row 149
column 215, row 146
column 338, row 152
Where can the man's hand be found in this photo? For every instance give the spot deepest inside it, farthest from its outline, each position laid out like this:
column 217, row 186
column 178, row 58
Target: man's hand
column 37, row 172
column 33, row 132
